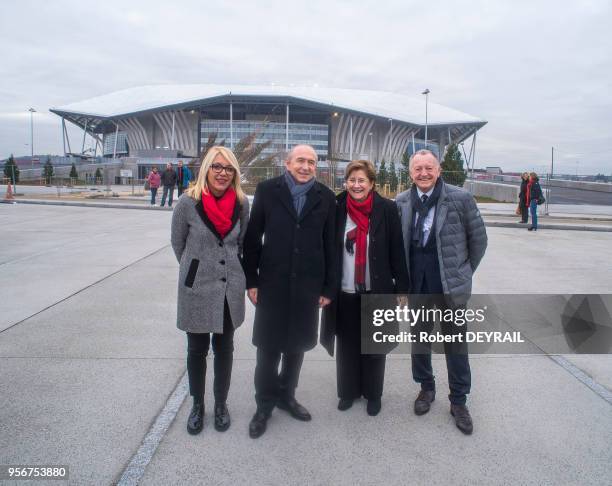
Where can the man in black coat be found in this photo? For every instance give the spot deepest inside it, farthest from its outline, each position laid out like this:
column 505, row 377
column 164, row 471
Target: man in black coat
column 290, row 274
column 168, row 180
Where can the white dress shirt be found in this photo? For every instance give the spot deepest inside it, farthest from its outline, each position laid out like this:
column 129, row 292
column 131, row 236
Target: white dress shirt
column 429, row 219
column 348, row 261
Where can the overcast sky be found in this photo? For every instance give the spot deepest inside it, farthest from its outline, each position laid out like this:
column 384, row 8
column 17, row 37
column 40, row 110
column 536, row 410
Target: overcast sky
column 539, row 72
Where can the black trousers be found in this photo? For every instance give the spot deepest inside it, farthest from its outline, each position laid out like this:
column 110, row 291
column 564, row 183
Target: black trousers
column 357, row 374
column 457, row 361
column 272, row 386
column 524, row 213
column 197, row 350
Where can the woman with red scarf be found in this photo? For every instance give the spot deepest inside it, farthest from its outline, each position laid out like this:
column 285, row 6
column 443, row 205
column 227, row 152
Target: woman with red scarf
column 370, row 255
column 208, row 227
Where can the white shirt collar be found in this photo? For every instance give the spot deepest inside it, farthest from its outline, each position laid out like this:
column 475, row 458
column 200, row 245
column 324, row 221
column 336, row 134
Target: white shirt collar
column 428, row 193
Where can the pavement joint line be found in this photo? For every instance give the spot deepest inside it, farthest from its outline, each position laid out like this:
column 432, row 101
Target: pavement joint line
column 135, row 469
column 85, row 288
column 582, row 377
column 91, row 357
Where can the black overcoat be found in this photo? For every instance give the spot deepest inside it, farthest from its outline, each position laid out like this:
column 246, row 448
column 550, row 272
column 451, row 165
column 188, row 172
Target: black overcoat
column 386, row 258
column 292, row 266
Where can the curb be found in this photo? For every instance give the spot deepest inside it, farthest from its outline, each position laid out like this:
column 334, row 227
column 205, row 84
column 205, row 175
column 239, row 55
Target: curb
column 88, row 205
column 497, row 224
column 551, row 226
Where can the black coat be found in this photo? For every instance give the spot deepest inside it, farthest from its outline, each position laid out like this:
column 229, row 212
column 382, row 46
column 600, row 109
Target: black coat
column 523, row 193
column 292, row 267
column 386, row 258
column 535, row 192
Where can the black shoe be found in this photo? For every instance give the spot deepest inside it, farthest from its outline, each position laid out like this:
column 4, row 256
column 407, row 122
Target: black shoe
column 257, row 427
column 195, row 422
column 463, row 420
column 373, row 407
column 222, row 417
column 531, row 228
column 423, row 401
column 296, row 410
column 345, row 404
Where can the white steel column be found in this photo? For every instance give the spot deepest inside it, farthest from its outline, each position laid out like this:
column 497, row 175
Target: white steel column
column 64, row 134
column 231, row 125
column 287, row 129
column 351, row 137
column 84, row 135
column 116, row 137
column 172, row 137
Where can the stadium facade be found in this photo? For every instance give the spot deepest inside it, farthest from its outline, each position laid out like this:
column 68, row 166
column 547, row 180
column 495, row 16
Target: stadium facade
column 172, row 121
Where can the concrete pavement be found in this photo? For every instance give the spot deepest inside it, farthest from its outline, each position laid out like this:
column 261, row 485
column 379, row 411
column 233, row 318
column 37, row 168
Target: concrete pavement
column 89, row 355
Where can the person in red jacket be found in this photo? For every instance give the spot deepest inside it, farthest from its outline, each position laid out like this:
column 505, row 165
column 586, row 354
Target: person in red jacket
column 154, row 180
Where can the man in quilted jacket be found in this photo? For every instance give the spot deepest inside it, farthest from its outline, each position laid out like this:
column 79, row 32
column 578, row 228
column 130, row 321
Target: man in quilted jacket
column 445, row 239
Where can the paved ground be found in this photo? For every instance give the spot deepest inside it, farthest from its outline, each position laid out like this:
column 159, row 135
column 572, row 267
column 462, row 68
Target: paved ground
column 89, row 355
column 570, row 195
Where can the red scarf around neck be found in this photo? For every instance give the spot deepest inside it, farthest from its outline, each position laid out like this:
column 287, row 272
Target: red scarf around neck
column 359, row 212
column 220, row 210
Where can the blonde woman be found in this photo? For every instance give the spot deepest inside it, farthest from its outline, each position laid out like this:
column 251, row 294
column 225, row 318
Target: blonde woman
column 208, row 227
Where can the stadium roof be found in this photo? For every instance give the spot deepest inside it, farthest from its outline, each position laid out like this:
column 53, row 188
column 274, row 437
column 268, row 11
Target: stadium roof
column 139, row 100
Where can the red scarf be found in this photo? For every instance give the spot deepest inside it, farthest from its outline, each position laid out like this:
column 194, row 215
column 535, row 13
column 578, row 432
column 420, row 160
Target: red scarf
column 359, row 212
column 220, row 210
column 528, row 191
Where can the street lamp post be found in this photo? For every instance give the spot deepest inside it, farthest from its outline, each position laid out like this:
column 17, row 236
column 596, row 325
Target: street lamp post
column 426, row 93
column 32, row 111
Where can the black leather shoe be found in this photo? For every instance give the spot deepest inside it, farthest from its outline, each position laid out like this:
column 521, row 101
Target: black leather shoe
column 423, row 401
column 296, row 410
column 222, row 417
column 463, row 420
column 257, row 426
column 373, row 407
column 531, row 228
column 195, row 422
column 345, row 404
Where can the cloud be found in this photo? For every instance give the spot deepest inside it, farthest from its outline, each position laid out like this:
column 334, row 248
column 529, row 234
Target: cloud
column 538, row 71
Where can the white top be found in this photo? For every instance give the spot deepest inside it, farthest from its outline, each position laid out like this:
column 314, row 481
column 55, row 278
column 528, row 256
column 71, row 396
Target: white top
column 348, row 261
column 429, row 219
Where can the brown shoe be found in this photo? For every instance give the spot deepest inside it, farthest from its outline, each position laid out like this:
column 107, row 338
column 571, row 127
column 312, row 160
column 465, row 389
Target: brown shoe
column 463, row 420
column 423, row 401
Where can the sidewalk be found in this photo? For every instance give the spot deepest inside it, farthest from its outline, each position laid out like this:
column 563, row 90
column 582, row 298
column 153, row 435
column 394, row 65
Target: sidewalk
column 560, row 217
column 89, row 355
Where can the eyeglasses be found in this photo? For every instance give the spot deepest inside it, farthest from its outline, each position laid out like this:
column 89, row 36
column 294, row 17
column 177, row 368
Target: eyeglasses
column 218, row 168
column 352, row 181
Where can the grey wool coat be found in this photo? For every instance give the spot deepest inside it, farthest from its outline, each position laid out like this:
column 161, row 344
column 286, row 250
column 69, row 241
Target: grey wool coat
column 461, row 239
column 210, row 267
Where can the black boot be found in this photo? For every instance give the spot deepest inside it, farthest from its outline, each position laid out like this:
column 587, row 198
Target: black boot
column 195, row 422
column 222, row 417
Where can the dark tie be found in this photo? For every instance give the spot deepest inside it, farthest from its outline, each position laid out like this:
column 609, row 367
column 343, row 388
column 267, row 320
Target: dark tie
column 424, row 198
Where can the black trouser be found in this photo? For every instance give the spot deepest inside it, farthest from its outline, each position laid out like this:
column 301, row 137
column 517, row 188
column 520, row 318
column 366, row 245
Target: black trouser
column 180, row 190
column 457, row 362
column 272, row 386
column 197, row 350
column 358, row 374
column 524, row 213
column 170, row 190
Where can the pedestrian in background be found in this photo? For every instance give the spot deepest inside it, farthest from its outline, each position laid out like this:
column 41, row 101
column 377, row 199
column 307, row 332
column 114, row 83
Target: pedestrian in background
column 183, row 176
column 154, row 180
column 168, row 179
column 208, row 228
column 535, row 198
column 523, row 204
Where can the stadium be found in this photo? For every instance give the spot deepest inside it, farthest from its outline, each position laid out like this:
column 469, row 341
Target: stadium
column 164, row 123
